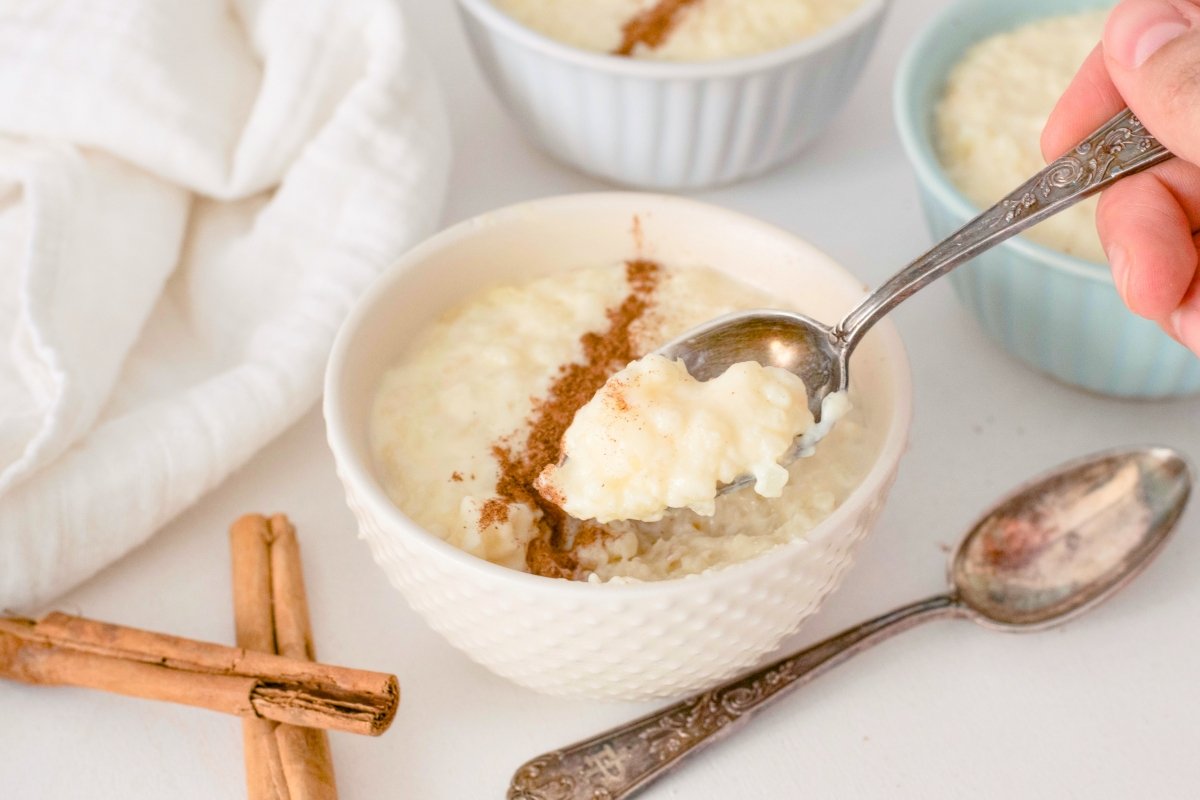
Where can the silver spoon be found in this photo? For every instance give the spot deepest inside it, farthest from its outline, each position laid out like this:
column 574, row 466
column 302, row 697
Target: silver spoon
column 820, row 354
column 1053, row 549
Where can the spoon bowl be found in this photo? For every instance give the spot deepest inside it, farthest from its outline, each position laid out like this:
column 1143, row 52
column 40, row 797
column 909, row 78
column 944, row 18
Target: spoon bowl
column 1058, row 546
column 773, row 338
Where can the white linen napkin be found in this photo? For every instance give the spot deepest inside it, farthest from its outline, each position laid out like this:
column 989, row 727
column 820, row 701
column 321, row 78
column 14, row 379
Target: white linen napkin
column 192, row 194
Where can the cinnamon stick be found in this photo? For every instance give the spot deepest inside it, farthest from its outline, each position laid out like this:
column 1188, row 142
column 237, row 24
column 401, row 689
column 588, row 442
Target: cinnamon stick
column 307, row 761
column 254, row 629
column 283, row 762
column 74, row 651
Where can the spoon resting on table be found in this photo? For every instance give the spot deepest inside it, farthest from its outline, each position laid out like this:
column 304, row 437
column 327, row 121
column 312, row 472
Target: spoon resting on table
column 1050, row 551
column 820, row 354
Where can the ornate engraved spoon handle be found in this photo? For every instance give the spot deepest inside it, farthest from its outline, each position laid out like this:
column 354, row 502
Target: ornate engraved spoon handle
column 619, row 762
column 1120, row 147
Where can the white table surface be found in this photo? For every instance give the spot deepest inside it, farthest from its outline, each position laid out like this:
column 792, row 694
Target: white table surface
column 1101, row 708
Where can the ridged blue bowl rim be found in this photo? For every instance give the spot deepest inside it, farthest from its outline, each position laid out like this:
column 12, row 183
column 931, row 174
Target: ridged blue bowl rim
column 938, row 34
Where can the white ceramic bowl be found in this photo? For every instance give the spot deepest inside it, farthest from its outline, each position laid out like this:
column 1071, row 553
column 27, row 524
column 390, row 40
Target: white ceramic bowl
column 605, row 641
column 670, row 125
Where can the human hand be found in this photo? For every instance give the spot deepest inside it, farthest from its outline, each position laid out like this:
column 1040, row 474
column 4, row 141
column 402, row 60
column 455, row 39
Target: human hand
column 1149, row 223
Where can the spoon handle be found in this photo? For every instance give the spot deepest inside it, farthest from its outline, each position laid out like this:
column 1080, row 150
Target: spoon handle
column 621, row 761
column 1120, row 147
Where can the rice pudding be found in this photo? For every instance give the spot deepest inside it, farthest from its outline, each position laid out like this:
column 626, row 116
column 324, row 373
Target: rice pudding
column 477, row 408
column 989, row 120
column 678, row 30
column 655, row 438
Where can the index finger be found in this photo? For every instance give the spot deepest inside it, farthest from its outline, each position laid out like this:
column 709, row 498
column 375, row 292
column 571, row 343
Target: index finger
column 1090, row 101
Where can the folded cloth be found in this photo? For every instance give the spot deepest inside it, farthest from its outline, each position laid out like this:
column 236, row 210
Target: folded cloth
column 192, row 194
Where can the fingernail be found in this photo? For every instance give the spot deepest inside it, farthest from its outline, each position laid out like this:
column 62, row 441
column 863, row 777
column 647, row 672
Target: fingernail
column 1155, row 39
column 1186, row 322
column 1118, row 262
column 1137, row 31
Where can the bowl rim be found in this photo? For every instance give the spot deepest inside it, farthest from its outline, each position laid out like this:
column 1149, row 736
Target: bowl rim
column 920, row 151
column 358, row 475
column 499, row 22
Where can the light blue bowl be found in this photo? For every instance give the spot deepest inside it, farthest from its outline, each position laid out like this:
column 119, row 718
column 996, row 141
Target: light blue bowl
column 1058, row 313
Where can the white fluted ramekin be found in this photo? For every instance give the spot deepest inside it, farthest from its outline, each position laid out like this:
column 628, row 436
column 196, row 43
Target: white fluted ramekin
column 669, row 125
column 1058, row 313
column 605, row 641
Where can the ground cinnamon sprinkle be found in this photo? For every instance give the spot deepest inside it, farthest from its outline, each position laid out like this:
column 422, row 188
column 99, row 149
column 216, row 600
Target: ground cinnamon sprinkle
column 652, row 26
column 639, row 239
column 604, row 353
column 617, row 398
column 456, row 477
column 493, row 512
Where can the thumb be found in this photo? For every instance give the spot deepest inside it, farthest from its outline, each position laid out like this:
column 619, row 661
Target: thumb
column 1152, row 50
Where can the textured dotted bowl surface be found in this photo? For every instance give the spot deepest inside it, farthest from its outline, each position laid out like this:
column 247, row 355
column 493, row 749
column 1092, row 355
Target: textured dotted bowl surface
column 670, row 125
column 630, row 641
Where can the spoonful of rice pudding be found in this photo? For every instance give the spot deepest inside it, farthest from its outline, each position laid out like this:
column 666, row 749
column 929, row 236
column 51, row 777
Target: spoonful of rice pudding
column 655, row 437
